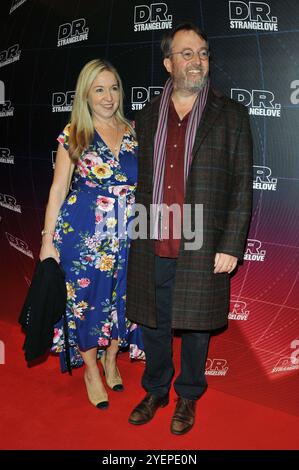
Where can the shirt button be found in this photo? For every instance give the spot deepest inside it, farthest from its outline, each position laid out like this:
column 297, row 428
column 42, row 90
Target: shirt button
column 179, row 124
column 169, row 187
column 171, row 166
column 175, row 146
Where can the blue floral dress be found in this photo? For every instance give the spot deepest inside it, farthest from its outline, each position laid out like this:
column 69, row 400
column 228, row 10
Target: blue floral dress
column 91, row 236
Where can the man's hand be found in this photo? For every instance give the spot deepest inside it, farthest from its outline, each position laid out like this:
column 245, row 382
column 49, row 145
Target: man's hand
column 224, row 263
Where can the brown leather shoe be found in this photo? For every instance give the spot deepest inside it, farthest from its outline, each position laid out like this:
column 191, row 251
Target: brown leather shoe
column 147, row 408
column 184, row 416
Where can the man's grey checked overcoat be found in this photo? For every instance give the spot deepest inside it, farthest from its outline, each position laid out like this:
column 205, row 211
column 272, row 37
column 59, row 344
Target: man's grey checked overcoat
column 220, row 178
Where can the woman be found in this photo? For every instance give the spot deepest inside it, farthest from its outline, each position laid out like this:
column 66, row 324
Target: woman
column 86, row 228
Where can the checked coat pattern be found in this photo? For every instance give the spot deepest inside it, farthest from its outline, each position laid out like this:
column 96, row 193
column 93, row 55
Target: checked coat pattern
column 220, row 178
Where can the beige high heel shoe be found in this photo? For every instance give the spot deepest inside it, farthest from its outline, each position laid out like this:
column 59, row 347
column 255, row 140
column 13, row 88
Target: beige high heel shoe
column 114, row 381
column 96, row 397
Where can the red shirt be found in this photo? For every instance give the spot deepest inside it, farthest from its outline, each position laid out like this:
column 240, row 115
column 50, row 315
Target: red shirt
column 174, row 191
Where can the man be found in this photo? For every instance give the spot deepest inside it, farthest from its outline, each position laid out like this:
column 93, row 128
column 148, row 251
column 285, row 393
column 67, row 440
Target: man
column 195, row 149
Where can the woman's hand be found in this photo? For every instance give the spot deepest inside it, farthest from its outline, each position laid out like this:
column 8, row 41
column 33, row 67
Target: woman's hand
column 48, row 250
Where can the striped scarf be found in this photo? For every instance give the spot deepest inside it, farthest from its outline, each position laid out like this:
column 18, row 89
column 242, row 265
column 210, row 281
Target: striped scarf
column 160, row 146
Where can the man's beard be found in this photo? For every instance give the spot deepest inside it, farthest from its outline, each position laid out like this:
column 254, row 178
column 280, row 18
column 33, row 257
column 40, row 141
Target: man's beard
column 191, row 86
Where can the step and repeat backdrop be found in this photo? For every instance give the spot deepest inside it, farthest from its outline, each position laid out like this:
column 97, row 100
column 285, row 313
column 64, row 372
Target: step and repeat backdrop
column 254, row 60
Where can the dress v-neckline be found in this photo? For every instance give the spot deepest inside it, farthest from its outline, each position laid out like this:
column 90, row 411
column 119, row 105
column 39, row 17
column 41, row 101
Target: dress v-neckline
column 120, row 147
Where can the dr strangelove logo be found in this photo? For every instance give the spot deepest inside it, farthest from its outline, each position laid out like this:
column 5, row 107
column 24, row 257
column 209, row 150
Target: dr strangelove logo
column 9, row 202
column 75, row 31
column 216, row 367
column 287, row 364
column 6, row 157
column 141, row 95
column 238, row 311
column 252, row 15
column 62, row 101
column 154, row 16
column 259, row 102
column 262, row 178
column 6, row 110
column 253, row 251
column 10, row 55
column 19, row 245
column 155, row 225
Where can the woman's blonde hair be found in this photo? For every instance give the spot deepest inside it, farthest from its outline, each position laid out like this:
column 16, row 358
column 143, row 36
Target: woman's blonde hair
column 81, row 125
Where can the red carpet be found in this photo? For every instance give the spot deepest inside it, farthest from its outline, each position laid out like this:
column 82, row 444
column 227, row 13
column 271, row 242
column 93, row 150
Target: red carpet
column 44, row 409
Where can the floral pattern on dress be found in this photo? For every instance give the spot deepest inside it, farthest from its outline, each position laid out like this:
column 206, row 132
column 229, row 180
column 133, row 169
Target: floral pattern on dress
column 92, row 239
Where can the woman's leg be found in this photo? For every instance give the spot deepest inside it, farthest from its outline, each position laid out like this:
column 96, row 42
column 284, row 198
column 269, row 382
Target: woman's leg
column 96, row 391
column 113, row 377
column 111, row 354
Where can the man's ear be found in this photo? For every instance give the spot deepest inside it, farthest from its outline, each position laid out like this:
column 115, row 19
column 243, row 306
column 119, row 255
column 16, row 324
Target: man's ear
column 168, row 65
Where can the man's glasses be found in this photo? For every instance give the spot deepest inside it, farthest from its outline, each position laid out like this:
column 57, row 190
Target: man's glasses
column 188, row 54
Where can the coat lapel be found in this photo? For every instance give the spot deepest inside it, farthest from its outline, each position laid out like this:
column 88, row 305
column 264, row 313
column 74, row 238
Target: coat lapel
column 212, row 110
